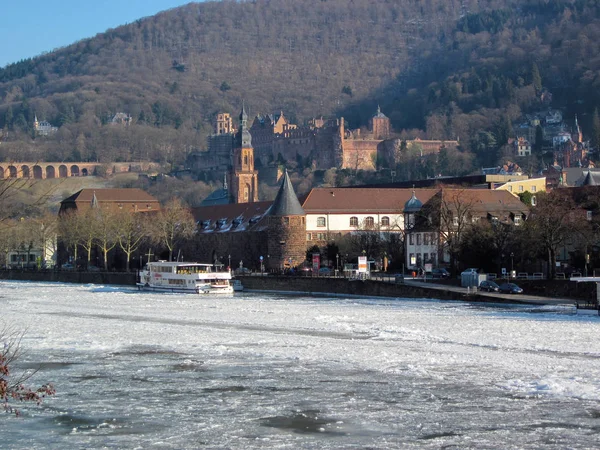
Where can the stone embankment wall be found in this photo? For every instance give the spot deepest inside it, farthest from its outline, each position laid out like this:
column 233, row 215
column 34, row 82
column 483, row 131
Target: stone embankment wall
column 119, row 278
column 342, row 286
column 558, row 288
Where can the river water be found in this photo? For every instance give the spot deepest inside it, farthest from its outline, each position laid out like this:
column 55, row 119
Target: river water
column 179, row 371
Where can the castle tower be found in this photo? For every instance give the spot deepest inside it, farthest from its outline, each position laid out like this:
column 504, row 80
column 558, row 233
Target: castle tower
column 244, row 179
column 380, row 125
column 286, row 228
column 223, row 124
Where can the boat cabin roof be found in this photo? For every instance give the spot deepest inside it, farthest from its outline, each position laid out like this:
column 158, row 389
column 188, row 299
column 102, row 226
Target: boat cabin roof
column 179, row 264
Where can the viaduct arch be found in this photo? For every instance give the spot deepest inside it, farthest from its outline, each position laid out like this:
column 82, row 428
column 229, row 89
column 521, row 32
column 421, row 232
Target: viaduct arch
column 50, row 170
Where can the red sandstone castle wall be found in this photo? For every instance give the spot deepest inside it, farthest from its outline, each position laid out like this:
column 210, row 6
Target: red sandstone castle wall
column 360, row 155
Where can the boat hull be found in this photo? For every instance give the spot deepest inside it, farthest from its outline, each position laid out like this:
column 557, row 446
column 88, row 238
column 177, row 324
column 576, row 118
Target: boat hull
column 198, row 290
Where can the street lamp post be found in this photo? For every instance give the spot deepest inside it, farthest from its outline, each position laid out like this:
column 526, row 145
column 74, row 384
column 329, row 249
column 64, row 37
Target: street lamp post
column 229, row 263
column 512, row 265
column 337, row 263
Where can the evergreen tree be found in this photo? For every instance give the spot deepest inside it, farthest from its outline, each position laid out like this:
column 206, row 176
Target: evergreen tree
column 536, row 79
column 539, row 139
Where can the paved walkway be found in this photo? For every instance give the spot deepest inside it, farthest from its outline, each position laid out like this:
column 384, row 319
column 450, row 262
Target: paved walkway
column 517, row 298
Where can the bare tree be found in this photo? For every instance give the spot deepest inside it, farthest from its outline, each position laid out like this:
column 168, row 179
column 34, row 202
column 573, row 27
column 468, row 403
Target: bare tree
column 12, row 386
column 107, row 232
column 555, row 221
column 68, row 229
column 451, row 212
column 171, row 224
column 132, row 229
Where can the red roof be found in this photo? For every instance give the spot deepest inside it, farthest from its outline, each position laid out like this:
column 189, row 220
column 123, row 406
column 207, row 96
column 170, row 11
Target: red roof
column 357, row 200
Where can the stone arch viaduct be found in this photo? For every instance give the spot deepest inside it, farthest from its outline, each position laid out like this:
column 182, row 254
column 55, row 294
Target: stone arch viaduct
column 56, row 169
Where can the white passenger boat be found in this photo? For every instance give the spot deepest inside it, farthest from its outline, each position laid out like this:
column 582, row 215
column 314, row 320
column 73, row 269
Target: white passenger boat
column 185, row 277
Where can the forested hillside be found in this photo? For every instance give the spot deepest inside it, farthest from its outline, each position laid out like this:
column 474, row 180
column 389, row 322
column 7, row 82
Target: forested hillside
column 449, row 68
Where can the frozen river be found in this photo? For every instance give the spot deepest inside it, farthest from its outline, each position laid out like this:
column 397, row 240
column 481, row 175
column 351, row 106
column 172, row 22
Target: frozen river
column 177, row 371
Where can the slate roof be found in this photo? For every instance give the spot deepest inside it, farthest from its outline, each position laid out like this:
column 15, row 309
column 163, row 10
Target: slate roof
column 110, row 195
column 232, row 217
column 286, row 203
column 218, row 197
column 413, row 204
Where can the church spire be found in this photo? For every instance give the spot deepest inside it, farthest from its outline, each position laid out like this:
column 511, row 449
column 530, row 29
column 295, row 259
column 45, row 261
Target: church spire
column 94, row 200
column 243, row 138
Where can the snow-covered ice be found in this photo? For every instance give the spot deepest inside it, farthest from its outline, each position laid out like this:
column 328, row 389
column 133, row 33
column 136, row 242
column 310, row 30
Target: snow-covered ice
column 148, row 370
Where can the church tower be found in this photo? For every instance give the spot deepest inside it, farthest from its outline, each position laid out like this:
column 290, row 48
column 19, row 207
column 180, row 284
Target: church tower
column 244, row 179
column 380, row 125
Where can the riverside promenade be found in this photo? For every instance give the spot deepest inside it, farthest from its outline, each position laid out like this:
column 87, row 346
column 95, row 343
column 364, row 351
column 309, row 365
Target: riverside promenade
column 385, row 286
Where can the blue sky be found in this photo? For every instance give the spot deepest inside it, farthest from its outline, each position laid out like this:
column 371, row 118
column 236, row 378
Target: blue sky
column 28, row 28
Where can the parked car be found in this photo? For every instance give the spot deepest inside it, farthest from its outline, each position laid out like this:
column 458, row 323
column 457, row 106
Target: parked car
column 93, row 269
column 325, row 271
column 488, row 286
column 440, row 273
column 242, row 271
column 510, row 288
column 67, row 266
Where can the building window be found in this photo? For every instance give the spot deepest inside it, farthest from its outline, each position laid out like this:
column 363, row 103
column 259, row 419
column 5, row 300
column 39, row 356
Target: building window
column 509, row 188
column 385, row 221
column 426, row 239
column 517, row 220
column 412, row 260
column 533, row 200
column 308, row 237
column 321, row 221
column 455, row 221
column 322, row 236
column 521, row 188
column 419, row 260
column 353, row 221
column 432, row 258
column 411, row 239
column 369, row 222
column 533, row 188
column 286, row 220
column 589, row 215
column 418, row 238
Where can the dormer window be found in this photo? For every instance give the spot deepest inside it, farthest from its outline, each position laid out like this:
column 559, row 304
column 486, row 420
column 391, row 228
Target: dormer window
column 353, row 221
column 205, row 224
column 236, row 222
column 385, row 221
column 369, row 222
column 517, row 219
column 221, row 223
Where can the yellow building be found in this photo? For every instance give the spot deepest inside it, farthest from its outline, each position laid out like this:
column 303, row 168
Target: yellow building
column 532, row 185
